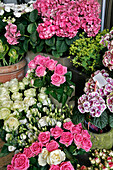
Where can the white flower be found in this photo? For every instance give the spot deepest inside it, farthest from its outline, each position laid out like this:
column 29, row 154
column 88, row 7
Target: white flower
column 11, row 148
column 43, row 122
column 21, row 85
column 13, row 81
column 56, row 157
column 7, row 104
column 30, row 92
column 17, row 96
column 52, row 122
column 4, row 113
column 16, row 113
column 8, row 135
column 17, row 14
column 42, row 90
column 67, row 120
column 7, row 8
column 29, row 101
column 28, row 115
column 23, row 136
column 42, row 159
column 11, row 124
column 3, row 91
column 59, row 124
column 39, row 105
column 23, row 121
column 42, row 97
column 6, row 84
column 1, row 11
column 14, row 88
column 18, row 105
column 25, row 81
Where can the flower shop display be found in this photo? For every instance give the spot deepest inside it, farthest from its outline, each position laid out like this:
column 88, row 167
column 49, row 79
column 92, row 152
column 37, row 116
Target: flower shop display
column 100, row 160
column 95, row 107
column 46, row 72
column 107, row 41
column 54, row 149
column 62, row 24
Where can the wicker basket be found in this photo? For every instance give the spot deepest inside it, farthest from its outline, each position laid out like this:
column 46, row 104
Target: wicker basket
column 4, row 161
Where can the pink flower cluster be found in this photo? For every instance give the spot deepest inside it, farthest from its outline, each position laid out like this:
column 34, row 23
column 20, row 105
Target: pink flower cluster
column 65, row 17
column 64, row 165
column 91, row 103
column 12, row 34
column 43, row 64
column 110, row 102
column 107, row 41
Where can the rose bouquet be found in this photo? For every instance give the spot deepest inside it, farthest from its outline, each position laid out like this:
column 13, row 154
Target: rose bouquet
column 107, row 41
column 55, row 149
column 24, row 112
column 99, row 159
column 96, row 105
column 64, row 20
column 45, row 72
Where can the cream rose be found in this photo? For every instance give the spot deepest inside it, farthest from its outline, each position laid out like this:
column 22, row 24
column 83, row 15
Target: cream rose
column 7, row 104
column 25, row 81
column 30, row 92
column 21, row 85
column 11, row 123
column 5, row 97
column 4, row 113
column 42, row 159
column 18, row 105
column 29, row 101
column 42, row 97
column 16, row 96
column 56, row 157
column 14, row 88
column 3, row 91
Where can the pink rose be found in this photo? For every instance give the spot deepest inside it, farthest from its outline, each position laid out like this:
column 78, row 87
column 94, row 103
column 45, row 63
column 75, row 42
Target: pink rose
column 52, row 145
column 10, row 167
column 66, row 138
column 56, row 132
column 40, row 71
column 68, row 125
column 44, row 137
column 66, row 165
column 78, row 140
column 86, row 144
column 37, row 59
column 75, row 129
column 51, row 64
column 43, row 61
column 32, row 64
column 57, row 79
column 61, row 70
column 36, row 148
column 20, row 162
column 28, row 152
column 54, row 167
column 85, row 134
column 13, row 28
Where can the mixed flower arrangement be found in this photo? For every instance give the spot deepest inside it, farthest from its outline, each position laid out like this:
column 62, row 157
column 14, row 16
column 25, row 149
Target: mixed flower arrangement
column 46, row 72
column 99, row 160
column 107, row 41
column 96, row 104
column 52, row 151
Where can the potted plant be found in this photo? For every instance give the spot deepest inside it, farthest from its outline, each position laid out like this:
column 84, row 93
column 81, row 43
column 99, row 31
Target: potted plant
column 95, row 108
column 17, row 35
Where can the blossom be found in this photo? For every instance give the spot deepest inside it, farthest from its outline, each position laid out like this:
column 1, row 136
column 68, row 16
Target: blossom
column 68, row 125
column 36, row 148
column 40, row 71
column 110, row 102
column 42, row 159
column 28, row 152
column 66, row 165
column 57, row 79
column 61, row 70
column 56, row 132
column 11, row 124
column 108, row 60
column 66, row 138
column 51, row 64
column 52, row 145
column 10, row 167
column 32, row 64
column 44, row 137
column 54, row 167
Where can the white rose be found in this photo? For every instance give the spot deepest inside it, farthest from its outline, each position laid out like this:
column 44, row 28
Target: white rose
column 14, row 88
column 42, row 158
column 25, row 81
column 13, row 81
column 42, row 90
column 8, row 135
column 17, row 96
column 29, row 101
column 18, row 105
column 11, row 123
column 3, row 91
column 11, row 148
column 5, row 97
column 21, row 85
column 56, row 157
column 59, row 124
column 42, row 97
column 16, row 113
column 43, row 122
column 23, row 136
column 4, row 113
column 23, row 121
column 30, row 92
column 7, row 104
column 6, row 84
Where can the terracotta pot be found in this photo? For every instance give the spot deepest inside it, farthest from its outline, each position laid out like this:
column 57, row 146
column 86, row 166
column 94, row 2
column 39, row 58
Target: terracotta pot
column 13, row 71
column 102, row 141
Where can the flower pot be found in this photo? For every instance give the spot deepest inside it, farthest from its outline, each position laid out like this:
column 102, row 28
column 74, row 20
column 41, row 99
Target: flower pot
column 13, row 71
column 102, row 141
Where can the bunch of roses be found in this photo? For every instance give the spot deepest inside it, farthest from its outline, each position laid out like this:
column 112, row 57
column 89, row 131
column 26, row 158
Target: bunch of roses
column 41, row 65
column 104, row 90
column 48, row 151
column 91, row 103
column 12, row 35
column 107, row 41
column 67, row 17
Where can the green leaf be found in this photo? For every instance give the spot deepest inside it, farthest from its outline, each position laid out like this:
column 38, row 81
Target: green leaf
column 59, row 96
column 3, row 154
column 50, row 42
column 77, row 116
column 38, row 83
column 70, row 41
column 68, row 75
column 40, row 47
column 61, row 46
column 21, row 27
column 25, row 45
column 34, row 168
column 33, row 37
column 55, row 54
column 33, row 161
column 101, row 121
column 33, row 15
column 53, row 94
column 64, row 99
column 69, row 91
column 111, row 120
column 4, row 149
column 31, row 28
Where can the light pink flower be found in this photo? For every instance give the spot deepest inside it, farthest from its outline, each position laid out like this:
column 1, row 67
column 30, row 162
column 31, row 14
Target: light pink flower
column 20, row 162
column 28, row 152
column 66, row 165
column 76, row 129
column 86, row 144
column 52, row 145
column 78, row 140
column 66, row 138
column 85, row 134
column 51, row 64
column 68, row 125
column 44, row 137
column 40, row 71
column 10, row 167
column 37, row 59
column 57, row 79
column 54, row 167
column 32, row 64
column 56, row 132
column 61, row 70
column 36, row 148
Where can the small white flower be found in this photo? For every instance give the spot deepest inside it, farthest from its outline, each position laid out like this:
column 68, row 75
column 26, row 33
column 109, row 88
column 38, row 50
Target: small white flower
column 8, row 135
column 67, row 120
column 1, row 11
column 23, row 136
column 23, row 121
column 7, row 9
column 28, row 115
column 17, row 14
column 43, row 122
column 11, row 148
column 59, row 124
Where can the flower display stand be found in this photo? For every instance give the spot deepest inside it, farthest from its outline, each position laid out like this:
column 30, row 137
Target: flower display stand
column 13, row 71
column 102, row 141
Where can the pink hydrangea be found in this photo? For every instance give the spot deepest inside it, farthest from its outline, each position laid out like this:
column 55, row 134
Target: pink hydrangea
column 66, row 138
column 91, row 103
column 12, row 35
